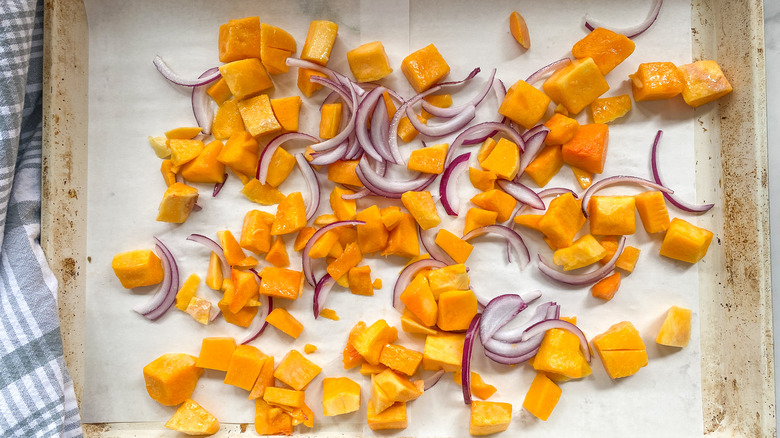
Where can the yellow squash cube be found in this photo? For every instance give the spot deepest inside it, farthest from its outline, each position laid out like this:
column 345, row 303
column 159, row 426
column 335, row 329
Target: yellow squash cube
column 583, row 252
column 340, row 395
column 676, row 329
column 561, row 355
column 296, row 371
column 612, row 215
column 542, row 396
column 452, row 277
column 498, row 201
column 393, row 417
column 398, row 388
column 369, row 342
column 504, row 159
column 171, row 378
column 245, row 365
column 456, row 309
column 576, row 85
column 621, row 350
column 685, row 241
column 215, row 353
column 137, row 268
column 319, row 41
column 422, row 208
column 258, row 116
column 177, row 203
column 428, row 160
column 424, row 68
column 524, row 104
column 656, row 80
column 330, row 120
column 287, row 111
column 246, row 78
column 444, row 351
column 703, row 82
column 488, row 418
column 454, row 246
column 369, row 62
column 191, row 419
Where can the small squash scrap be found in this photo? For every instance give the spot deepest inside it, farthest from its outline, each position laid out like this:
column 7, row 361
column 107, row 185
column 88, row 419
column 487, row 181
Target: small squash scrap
column 607, row 109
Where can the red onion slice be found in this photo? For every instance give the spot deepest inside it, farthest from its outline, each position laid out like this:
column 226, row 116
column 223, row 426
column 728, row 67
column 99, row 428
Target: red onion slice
column 547, row 69
column 444, row 128
column 632, row 31
column 218, row 186
column 406, row 276
column 509, row 234
column 201, row 107
column 366, row 108
column 498, row 312
column 354, row 151
column 321, row 292
column 392, row 135
column 454, row 111
column 267, row 155
column 166, row 294
column 620, row 179
column 306, row 260
column 448, row 189
column 428, row 241
column 465, row 370
column 380, row 128
column 533, row 145
column 362, row 193
column 522, row 193
column 259, row 323
column 330, row 156
column 312, row 183
column 582, row 279
column 386, row 185
column 172, row 76
column 213, row 247
column 514, row 334
column 432, row 380
column 542, row 327
column 674, row 200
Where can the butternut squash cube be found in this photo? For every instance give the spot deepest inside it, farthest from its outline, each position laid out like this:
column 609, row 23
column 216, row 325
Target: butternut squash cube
column 256, row 231
column 215, row 353
column 498, row 201
column 296, row 371
column 422, row 208
column 319, row 41
column 183, row 151
column 287, row 111
column 676, row 329
column 140, row 267
column 562, row 129
column 190, row 418
column 369, row 342
column 205, row 168
column 411, row 324
column 343, row 172
column 504, row 159
column 367, row 369
column 612, row 215
column 607, row 49
column 703, row 82
column 482, row 179
column 452, row 277
column 245, row 366
column 282, row 163
column 283, row 397
column 246, row 77
column 621, row 350
column 583, row 252
column 240, row 153
column 456, row 309
column 230, row 247
column 258, row 116
column 627, row 259
column 400, row 359
column 488, row 418
column 478, row 218
column 393, row 417
column 246, row 288
column 524, row 104
column 529, row 220
column 350, row 356
column 264, row 380
column 286, row 323
column 303, row 238
column 424, row 68
column 406, row 131
column 607, row 109
column 369, row 62
column 560, row 354
column 277, row 255
column 576, row 85
column 402, row 240
column 219, row 91
column 346, row 261
column 263, row 194
column 227, row 120
column 444, row 351
column 344, row 209
column 305, row 84
column 177, row 203
column 360, row 281
column 562, row 220
column 418, row 298
column 651, row 207
column 330, row 120
column 546, row 165
column 485, row 149
column 239, row 39
column 587, row 149
column 454, row 246
column 276, row 45
column 656, row 80
column 398, row 388
column 281, row 282
column 542, row 396
column 271, row 420
column 290, row 215
column 242, row 318
column 685, row 241
column 340, row 395
column 187, row 292
column 429, row 159
column 171, row 378
column 322, row 247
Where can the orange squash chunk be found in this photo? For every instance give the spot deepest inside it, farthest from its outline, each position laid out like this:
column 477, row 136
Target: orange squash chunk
column 290, row 215
column 277, row 254
column 612, row 215
column 444, row 351
column 529, row 221
column 478, row 386
column 546, row 165
column 263, row 194
column 418, row 298
column 584, row 178
column 524, row 104
column 168, row 172
column 271, row 420
column 562, row 129
column 286, row 323
column 245, row 289
column 703, row 82
column 607, row 48
column 350, row 356
column 482, row 179
column 369, row 342
column 607, row 287
column 282, row 163
column 411, row 324
column 303, row 238
column 562, row 220
column 137, row 268
column 231, row 248
column 330, row 119
column 676, row 329
column 240, row 153
column 651, row 207
column 403, row 240
column 177, row 203
column 305, row 83
column 281, row 282
column 246, row 77
column 369, row 62
column 276, row 45
column 242, row 318
column 454, row 246
column 576, row 85
column 360, row 280
column 584, row 251
column 256, row 231
column 258, row 116
column 340, row 395
column 400, row 359
column 422, row 207
column 319, row 41
column 560, row 354
column 429, row 159
column 542, row 396
column 587, row 150
column 504, row 159
column 239, row 39
column 296, row 371
column 346, row 261
column 287, row 111
column 171, row 378
column 245, row 366
column 215, row 353
column 227, row 120
column 627, row 259
column 344, row 209
column 190, row 418
column 452, row 277
column 264, row 380
column 621, row 350
column 396, row 387
column 519, row 30
column 685, row 241
column 275, row 396
column 656, row 80
column 477, row 218
column 219, row 91
column 456, row 309
column 393, row 417
column 498, row 201
column 343, row 172
column 424, row 68
column 487, row 418
column 205, row 168
column 607, row 109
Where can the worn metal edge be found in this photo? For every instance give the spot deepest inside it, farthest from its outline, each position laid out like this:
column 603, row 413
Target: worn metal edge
column 736, row 306
column 64, row 169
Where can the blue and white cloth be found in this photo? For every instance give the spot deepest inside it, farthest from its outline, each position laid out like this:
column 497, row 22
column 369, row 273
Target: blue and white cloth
column 36, row 392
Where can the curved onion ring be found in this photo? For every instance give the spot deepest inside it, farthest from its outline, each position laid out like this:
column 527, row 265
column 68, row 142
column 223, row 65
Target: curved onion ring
column 674, row 200
column 406, row 275
column 549, row 68
column 166, row 294
column 509, row 234
column 465, row 370
column 620, row 179
column 218, row 186
column 172, row 76
column 454, row 111
column 582, row 279
column 444, row 128
column 522, row 193
column 365, row 108
column 483, row 128
column 498, row 312
column 632, row 31
column 321, row 291
column 312, row 183
column 533, row 144
column 200, row 102
column 431, row 381
column 447, row 189
column 259, row 323
column 214, row 247
column 385, row 185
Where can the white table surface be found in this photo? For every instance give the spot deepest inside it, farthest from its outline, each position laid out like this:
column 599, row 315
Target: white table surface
column 772, row 42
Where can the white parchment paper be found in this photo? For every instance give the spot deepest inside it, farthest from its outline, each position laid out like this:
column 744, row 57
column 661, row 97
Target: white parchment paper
column 129, row 100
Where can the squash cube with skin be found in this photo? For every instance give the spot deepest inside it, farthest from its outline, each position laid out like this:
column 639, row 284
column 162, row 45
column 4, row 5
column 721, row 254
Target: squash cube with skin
column 177, row 203
column 281, row 283
column 402, row 240
column 286, row 323
column 346, row 261
column 456, row 309
column 205, row 168
column 607, row 49
column 287, row 111
column 685, row 241
column 504, row 159
column 246, row 78
column 422, row 207
column 561, row 128
column 488, row 418
column 454, row 246
column 283, row 397
column 607, row 109
column 562, row 220
column 418, row 298
column 656, row 80
column 215, row 353
column 258, row 116
column 676, row 329
column 227, row 120
column 239, row 39
column 583, row 252
column 478, row 218
column 171, row 378
column 398, row 388
column 296, row 371
column 576, row 85
column 560, row 354
column 240, row 153
column 137, row 268
column 394, row 417
column 621, row 350
column 444, row 351
column 290, row 215
column 542, row 396
column 428, row 160
column 400, row 359
column 651, row 207
column 545, row 165
column 256, row 231
column 587, row 149
column 271, row 420
column 482, row 179
column 319, row 41
column 612, row 215
column 424, row 68
column 245, row 365
column 411, row 324
column 524, row 104
column 498, row 201
column 191, row 419
column 340, row 395
column 369, row 62
column 360, row 281
column 369, row 342
column 703, row 82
